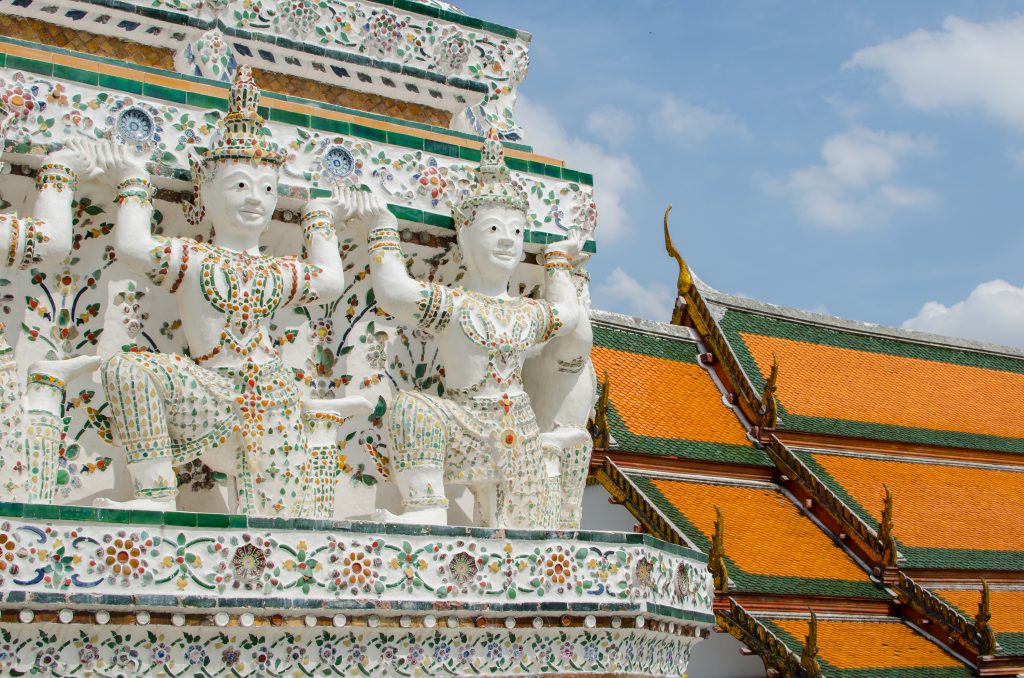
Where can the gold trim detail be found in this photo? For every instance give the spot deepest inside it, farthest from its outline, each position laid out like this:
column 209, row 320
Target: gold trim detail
column 984, row 636
column 690, row 305
column 885, row 531
column 716, row 556
column 769, row 401
column 775, row 654
column 809, row 655
column 598, row 425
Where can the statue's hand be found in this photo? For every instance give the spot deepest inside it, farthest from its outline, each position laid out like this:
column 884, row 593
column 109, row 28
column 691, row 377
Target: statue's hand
column 117, row 162
column 80, row 155
column 342, row 204
column 372, row 212
column 572, row 245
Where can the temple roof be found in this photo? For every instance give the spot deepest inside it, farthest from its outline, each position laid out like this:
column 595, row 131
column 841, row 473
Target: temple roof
column 881, row 647
column 756, row 514
column 662, row 402
column 855, row 380
column 947, row 515
column 1006, row 606
column 860, row 408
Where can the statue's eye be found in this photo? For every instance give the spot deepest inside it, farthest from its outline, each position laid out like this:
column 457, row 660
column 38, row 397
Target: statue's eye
column 518, row 231
column 494, row 229
column 270, row 189
column 241, row 184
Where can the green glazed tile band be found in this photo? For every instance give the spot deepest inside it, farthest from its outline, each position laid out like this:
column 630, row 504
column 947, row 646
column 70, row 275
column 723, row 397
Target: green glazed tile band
column 321, row 124
column 678, row 350
column 188, row 519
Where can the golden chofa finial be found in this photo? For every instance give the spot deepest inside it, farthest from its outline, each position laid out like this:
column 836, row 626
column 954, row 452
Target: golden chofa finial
column 685, row 279
column 716, row 556
column 599, row 424
column 809, row 655
column 885, row 531
column 769, row 402
column 984, row 636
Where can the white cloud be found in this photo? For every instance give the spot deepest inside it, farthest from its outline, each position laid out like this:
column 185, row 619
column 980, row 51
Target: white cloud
column 622, row 292
column 851, row 111
column 610, row 124
column 965, row 65
column 993, row 312
column 686, row 123
column 854, row 187
column 1017, row 157
column 615, row 174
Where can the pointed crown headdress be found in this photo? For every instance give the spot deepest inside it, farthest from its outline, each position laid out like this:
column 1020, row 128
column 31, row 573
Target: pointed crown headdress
column 493, row 184
column 241, row 139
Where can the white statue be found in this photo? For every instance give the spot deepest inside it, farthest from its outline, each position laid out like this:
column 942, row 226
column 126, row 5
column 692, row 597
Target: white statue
column 30, row 422
column 563, row 389
column 482, row 432
column 231, row 402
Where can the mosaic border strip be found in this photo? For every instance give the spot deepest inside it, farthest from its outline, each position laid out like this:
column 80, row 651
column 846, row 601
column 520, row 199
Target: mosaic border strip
column 518, row 157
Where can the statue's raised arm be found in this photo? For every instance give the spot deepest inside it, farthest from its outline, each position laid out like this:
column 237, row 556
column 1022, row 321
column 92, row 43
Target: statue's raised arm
column 45, row 237
column 231, row 402
column 30, row 415
column 482, row 432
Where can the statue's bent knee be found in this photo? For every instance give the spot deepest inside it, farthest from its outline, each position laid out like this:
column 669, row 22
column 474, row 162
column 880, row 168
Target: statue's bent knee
column 419, row 432
column 163, row 414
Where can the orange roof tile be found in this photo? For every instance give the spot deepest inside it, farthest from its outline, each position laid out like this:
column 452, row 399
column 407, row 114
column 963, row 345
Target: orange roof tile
column 662, row 398
column 840, row 383
column 938, row 506
column 765, row 533
column 1007, row 606
column 869, row 644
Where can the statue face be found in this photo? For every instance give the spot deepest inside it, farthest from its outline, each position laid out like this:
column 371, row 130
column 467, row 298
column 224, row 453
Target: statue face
column 494, row 239
column 240, row 198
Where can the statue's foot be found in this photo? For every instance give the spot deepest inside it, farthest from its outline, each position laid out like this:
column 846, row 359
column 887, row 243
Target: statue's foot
column 68, row 369
column 564, row 437
column 351, row 406
column 168, row 504
column 426, row 516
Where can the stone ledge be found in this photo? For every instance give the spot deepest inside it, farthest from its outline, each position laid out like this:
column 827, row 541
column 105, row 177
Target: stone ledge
column 87, row 591
column 269, row 564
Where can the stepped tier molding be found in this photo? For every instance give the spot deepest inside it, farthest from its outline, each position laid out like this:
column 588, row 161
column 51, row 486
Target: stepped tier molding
column 180, row 592
column 401, row 50
column 63, row 95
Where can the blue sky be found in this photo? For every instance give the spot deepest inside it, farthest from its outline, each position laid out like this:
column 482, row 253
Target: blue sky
column 862, row 159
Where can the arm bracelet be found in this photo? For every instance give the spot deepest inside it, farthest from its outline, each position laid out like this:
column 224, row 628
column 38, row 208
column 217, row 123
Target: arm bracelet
column 384, row 239
column 56, row 176
column 557, row 260
column 317, row 221
column 135, row 188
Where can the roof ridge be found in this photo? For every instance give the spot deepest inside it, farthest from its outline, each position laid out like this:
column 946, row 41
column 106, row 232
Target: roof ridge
column 801, row 316
column 909, row 458
column 704, row 478
column 630, row 323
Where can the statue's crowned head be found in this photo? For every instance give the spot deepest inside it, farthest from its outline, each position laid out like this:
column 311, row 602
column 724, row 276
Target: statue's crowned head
column 493, row 185
column 239, row 171
column 490, row 220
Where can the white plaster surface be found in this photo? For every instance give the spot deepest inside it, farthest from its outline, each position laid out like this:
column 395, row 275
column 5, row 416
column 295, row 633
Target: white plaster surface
column 719, row 657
